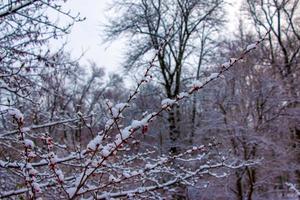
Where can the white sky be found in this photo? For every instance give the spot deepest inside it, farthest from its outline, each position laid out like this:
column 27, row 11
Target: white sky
column 86, row 36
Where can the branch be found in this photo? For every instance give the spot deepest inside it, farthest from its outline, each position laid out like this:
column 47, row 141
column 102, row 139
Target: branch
column 16, row 7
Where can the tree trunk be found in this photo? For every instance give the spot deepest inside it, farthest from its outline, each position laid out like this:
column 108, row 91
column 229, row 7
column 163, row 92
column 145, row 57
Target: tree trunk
column 174, row 132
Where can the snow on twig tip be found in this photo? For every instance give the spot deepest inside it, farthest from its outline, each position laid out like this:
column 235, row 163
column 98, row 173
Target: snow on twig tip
column 16, row 114
column 213, row 76
column 182, row 95
column 167, row 102
column 95, row 143
column 28, row 143
column 251, row 46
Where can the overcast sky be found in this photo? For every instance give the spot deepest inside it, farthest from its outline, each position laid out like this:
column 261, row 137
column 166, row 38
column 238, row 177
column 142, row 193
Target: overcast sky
column 85, row 36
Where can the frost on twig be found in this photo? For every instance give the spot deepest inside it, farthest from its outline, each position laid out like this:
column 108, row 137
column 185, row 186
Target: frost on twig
column 106, row 164
column 293, row 188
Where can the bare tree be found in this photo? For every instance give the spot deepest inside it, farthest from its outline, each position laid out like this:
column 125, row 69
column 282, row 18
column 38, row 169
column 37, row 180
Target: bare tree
column 283, row 48
column 59, row 139
column 41, row 164
column 178, row 22
column 25, row 27
column 282, row 53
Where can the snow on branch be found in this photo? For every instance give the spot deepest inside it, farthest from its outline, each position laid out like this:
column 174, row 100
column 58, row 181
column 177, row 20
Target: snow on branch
column 293, row 188
column 102, row 166
column 49, row 124
column 14, row 7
